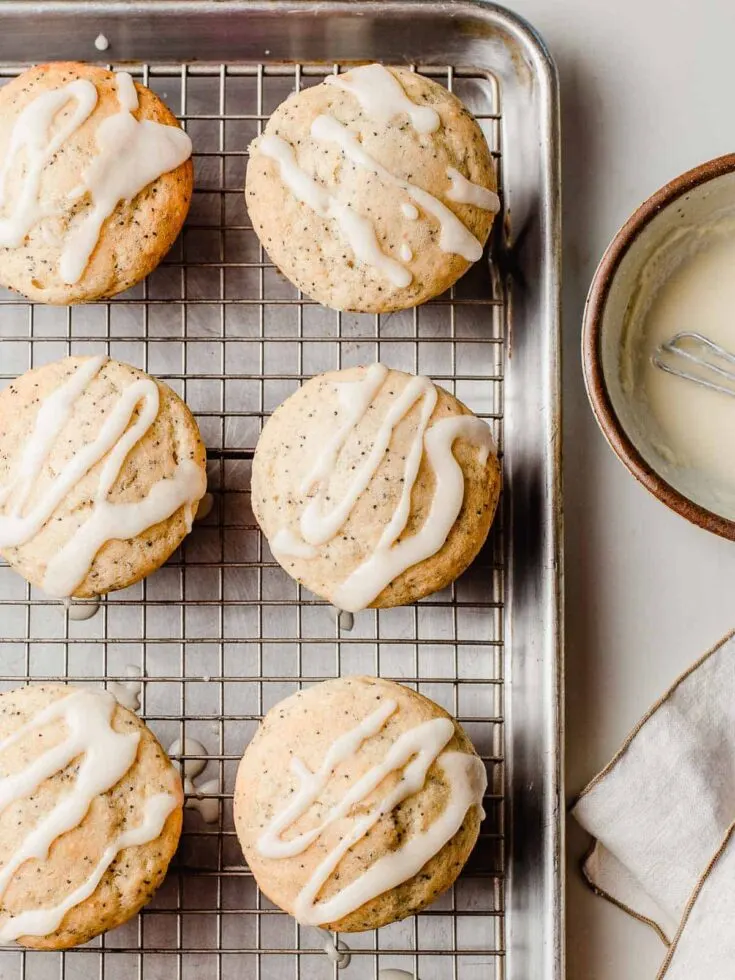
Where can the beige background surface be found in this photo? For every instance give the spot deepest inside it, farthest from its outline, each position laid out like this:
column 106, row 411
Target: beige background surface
column 646, row 94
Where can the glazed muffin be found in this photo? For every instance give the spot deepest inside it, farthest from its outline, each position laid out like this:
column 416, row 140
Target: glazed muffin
column 357, row 802
column 95, row 182
column 373, row 191
column 374, row 487
column 91, row 815
column 101, row 471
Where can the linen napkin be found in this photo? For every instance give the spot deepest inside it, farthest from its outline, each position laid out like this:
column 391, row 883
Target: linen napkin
column 662, row 815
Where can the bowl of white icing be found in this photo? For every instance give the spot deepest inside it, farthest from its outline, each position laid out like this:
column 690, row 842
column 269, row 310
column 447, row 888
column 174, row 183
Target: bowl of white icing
column 670, row 271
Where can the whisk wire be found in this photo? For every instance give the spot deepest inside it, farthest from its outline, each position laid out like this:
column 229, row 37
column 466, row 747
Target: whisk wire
column 679, row 358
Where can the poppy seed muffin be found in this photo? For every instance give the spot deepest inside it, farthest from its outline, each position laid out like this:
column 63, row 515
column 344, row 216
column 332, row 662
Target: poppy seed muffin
column 357, row 802
column 101, row 471
column 373, row 191
column 95, row 182
column 374, row 487
column 91, row 815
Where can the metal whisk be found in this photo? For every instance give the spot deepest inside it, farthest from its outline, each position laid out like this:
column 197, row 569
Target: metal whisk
column 688, row 353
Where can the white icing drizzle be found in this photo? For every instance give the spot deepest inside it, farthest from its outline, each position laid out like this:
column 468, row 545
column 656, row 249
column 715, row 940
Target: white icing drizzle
column 381, row 97
column 201, row 797
column 204, row 799
column 289, row 545
column 357, row 231
column 337, row 951
column 106, row 521
column 79, row 610
column 31, row 137
column 410, row 211
column 42, row 922
column 105, row 756
column 454, row 237
column 405, row 252
column 414, row 752
column 127, row 693
column 345, row 620
column 131, row 154
column 463, row 191
column 319, row 523
column 205, row 507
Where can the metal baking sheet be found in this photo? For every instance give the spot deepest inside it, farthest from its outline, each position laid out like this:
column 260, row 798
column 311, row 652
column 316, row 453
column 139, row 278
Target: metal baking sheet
column 221, row 633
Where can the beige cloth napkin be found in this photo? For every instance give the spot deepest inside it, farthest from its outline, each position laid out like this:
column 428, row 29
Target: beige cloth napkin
column 662, row 815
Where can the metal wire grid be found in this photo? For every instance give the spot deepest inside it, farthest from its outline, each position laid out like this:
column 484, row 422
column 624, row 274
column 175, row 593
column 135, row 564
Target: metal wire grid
column 221, row 633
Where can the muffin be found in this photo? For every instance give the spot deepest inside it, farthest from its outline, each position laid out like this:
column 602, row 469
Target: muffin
column 101, row 471
column 373, row 191
column 374, row 487
column 357, row 802
column 95, row 182
column 90, row 815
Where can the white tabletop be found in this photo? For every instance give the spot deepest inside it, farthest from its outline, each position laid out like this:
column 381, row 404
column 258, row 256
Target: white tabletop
column 646, row 92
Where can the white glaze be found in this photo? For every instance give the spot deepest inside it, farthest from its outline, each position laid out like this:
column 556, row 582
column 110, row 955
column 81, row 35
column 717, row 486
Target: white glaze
column 201, row 797
column 81, row 610
column 680, row 427
column 101, row 42
column 345, row 620
column 31, row 139
column 356, row 230
column 131, row 155
column 463, row 191
column 381, row 97
column 454, row 237
column 413, row 752
column 392, row 557
column 287, row 544
column 204, row 509
column 127, row 693
column 337, row 951
column 409, row 211
column 405, row 252
column 204, row 801
column 394, row 974
column 105, row 756
column 106, row 521
column 191, row 768
column 321, row 519
column 42, row 922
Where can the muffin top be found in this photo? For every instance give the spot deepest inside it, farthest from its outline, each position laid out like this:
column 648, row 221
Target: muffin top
column 357, row 802
column 95, row 182
column 374, row 487
column 90, row 815
column 101, row 471
column 373, row 191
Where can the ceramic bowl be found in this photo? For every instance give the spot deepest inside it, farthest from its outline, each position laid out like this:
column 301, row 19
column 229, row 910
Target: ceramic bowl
column 613, row 316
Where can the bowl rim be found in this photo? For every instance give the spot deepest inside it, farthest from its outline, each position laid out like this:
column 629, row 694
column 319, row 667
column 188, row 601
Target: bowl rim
column 594, row 378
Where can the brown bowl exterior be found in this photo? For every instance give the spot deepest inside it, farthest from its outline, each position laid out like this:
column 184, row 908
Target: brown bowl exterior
column 592, row 330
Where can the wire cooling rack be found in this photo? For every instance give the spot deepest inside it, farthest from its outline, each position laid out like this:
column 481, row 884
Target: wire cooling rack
column 221, row 633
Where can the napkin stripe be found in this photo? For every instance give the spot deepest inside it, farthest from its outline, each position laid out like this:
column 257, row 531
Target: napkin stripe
column 691, row 904
column 649, row 714
column 598, row 890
